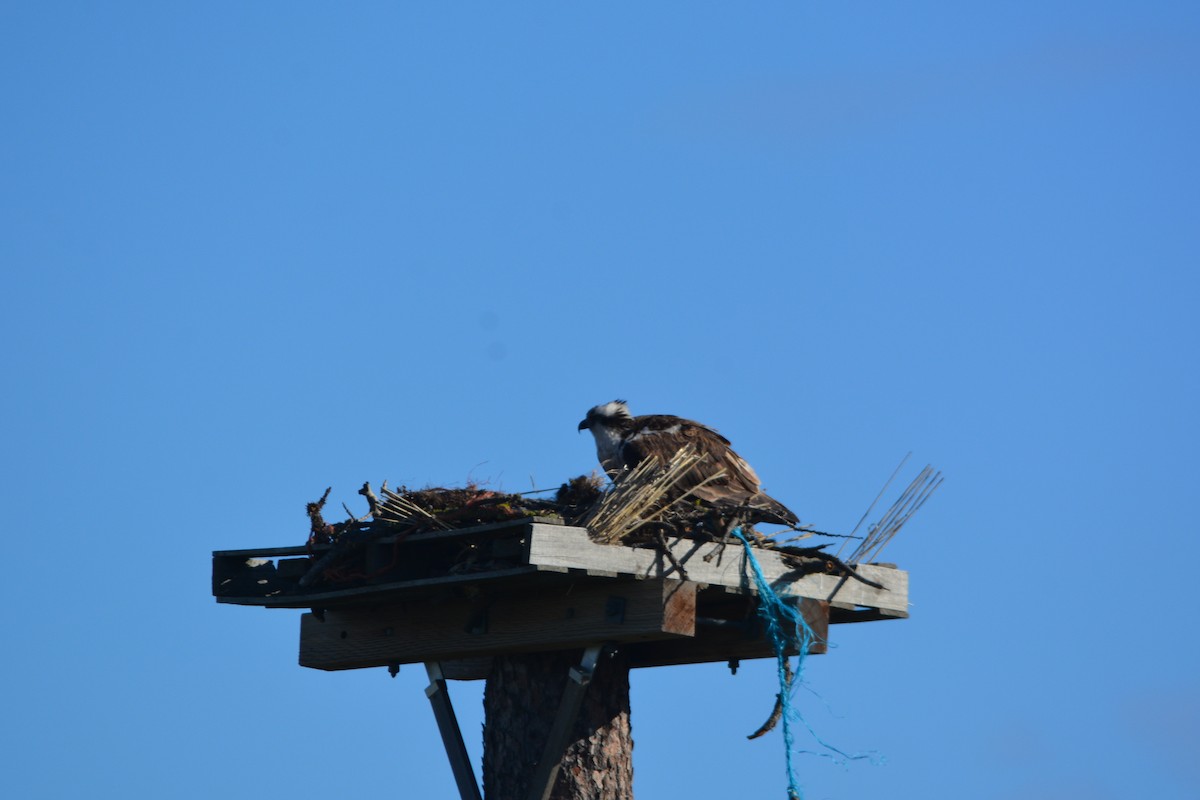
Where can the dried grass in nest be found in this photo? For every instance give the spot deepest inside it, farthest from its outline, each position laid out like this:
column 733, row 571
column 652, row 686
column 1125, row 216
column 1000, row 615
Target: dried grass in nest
column 643, row 495
column 443, row 509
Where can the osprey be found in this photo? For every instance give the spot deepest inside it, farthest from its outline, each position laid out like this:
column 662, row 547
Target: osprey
column 623, row 441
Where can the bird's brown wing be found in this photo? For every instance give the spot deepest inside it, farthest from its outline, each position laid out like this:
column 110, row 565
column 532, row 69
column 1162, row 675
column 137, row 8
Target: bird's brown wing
column 663, row 435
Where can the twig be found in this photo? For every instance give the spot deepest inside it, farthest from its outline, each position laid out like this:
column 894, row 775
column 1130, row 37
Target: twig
column 372, row 500
column 886, row 484
column 777, row 712
column 663, row 546
column 910, row 500
column 319, row 531
column 726, row 538
column 806, row 533
column 398, row 508
column 829, row 564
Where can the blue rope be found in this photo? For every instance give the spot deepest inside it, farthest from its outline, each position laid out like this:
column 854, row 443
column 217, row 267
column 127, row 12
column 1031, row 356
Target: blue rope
column 786, row 627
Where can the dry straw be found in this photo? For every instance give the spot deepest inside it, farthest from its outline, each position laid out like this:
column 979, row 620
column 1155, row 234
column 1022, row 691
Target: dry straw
column 641, row 495
column 885, row 529
column 398, row 509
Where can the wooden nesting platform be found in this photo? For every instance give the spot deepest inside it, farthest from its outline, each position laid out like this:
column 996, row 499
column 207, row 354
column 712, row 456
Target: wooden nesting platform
column 460, row 597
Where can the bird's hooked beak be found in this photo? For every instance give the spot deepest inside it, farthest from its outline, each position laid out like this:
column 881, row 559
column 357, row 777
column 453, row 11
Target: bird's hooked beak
column 584, row 424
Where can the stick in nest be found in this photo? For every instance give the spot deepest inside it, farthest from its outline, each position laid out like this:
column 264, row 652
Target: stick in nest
column 910, row 500
column 658, row 528
column 397, row 508
column 319, row 530
column 372, row 500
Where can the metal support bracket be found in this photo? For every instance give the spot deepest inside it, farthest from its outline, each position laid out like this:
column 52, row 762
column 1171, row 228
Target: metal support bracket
column 443, row 712
column 578, row 679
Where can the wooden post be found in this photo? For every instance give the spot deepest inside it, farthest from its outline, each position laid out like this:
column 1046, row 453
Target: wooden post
column 521, row 701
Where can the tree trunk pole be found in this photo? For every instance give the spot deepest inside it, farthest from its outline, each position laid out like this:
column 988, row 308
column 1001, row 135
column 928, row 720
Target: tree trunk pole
column 520, row 702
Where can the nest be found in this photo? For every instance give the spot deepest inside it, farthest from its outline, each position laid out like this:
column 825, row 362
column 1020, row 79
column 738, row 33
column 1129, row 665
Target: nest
column 402, row 512
column 643, row 507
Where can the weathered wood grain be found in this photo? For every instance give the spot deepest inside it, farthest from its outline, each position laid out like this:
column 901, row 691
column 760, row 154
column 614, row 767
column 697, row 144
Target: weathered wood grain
column 559, row 547
column 709, row 645
column 553, row 618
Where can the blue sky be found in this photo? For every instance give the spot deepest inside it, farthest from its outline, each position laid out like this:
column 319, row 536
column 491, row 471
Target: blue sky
column 254, row 250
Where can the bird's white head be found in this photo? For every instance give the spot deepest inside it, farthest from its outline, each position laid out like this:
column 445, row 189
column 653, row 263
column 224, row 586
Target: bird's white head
column 606, row 415
column 608, row 423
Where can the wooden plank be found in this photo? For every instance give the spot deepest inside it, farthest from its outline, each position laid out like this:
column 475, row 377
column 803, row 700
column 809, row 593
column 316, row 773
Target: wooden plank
column 561, row 546
column 248, row 577
column 723, row 644
column 380, row 592
column 708, row 645
column 488, row 530
column 292, row 567
column 842, row 616
column 552, row 618
column 679, row 606
column 269, row 552
column 491, row 529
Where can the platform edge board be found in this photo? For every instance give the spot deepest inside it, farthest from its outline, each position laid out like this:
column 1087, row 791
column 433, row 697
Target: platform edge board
column 268, row 552
column 569, row 616
column 453, row 533
column 560, row 547
column 706, row 647
column 555, row 551
column 379, row 591
column 844, row 616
